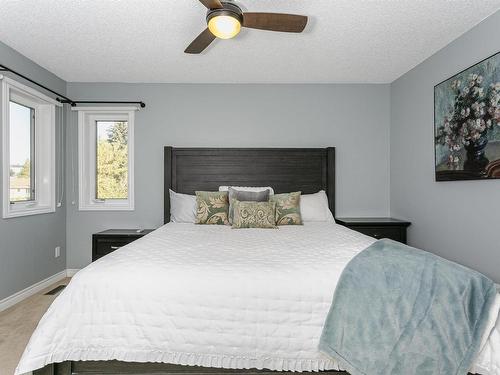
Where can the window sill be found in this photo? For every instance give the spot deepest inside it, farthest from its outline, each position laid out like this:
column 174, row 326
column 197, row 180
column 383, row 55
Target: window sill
column 28, row 211
column 106, row 207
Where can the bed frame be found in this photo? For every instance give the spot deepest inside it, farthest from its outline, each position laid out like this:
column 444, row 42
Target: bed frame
column 189, row 169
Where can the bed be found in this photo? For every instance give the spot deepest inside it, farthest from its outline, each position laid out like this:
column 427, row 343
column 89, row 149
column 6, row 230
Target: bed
column 208, row 299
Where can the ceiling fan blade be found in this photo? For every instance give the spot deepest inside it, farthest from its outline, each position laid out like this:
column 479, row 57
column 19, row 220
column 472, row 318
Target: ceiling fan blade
column 201, row 42
column 291, row 23
column 211, row 4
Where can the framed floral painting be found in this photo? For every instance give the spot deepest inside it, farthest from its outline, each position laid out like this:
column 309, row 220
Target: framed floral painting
column 467, row 123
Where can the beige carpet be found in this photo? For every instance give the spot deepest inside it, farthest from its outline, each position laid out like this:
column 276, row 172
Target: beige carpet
column 17, row 323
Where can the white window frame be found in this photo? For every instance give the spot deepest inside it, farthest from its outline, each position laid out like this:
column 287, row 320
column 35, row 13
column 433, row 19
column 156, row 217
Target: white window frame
column 45, row 155
column 87, row 118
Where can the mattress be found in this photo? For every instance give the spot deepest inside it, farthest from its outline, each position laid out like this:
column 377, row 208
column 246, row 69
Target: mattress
column 210, row 296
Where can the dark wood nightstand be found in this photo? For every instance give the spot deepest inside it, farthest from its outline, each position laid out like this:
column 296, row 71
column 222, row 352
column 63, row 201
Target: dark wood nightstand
column 112, row 239
column 378, row 227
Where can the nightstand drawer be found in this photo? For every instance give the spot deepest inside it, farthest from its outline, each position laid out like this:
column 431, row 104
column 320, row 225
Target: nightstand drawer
column 380, row 232
column 378, row 227
column 104, row 247
column 107, row 241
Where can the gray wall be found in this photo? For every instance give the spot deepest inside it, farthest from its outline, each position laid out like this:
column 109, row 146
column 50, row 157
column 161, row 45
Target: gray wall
column 354, row 118
column 457, row 220
column 27, row 243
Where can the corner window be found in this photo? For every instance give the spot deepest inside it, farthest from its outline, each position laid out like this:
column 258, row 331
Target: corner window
column 106, row 158
column 28, row 130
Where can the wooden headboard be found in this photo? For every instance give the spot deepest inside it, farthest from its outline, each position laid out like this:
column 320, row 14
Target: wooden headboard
column 285, row 169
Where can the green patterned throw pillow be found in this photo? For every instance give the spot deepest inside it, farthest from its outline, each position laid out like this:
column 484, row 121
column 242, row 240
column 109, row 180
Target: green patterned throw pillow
column 254, row 214
column 247, row 196
column 212, row 207
column 287, row 208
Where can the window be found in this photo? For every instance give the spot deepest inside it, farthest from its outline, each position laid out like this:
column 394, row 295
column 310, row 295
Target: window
column 28, row 156
column 106, row 156
column 112, row 160
column 22, row 146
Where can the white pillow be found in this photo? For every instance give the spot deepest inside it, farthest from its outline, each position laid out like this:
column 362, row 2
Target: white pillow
column 182, row 207
column 248, row 188
column 314, row 207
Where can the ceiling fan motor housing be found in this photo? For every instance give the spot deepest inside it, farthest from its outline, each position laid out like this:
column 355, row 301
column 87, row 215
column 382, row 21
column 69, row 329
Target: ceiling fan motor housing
column 228, row 9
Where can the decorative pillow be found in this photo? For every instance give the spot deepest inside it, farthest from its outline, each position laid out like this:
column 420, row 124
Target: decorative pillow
column 212, row 207
column 247, row 196
column 287, row 208
column 314, row 207
column 182, row 207
column 254, row 214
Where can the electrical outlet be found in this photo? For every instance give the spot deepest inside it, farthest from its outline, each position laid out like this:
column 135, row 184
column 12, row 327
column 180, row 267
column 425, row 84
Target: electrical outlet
column 57, row 252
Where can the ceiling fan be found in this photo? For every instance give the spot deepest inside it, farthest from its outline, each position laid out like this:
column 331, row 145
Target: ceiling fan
column 225, row 20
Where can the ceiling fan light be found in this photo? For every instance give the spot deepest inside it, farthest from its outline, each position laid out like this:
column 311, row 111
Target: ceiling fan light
column 224, row 26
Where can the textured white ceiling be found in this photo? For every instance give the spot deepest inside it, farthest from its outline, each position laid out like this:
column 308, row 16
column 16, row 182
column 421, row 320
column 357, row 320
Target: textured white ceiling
column 362, row 41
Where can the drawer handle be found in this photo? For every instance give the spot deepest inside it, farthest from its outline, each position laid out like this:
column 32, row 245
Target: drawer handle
column 115, row 247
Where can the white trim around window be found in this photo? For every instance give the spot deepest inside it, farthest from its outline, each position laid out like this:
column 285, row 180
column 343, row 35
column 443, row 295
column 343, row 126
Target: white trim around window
column 43, row 132
column 88, row 117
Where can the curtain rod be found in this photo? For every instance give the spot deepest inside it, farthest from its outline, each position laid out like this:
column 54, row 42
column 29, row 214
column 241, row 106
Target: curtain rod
column 64, row 99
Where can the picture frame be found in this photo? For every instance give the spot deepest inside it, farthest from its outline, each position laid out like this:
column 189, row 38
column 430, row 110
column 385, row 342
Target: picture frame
column 467, row 123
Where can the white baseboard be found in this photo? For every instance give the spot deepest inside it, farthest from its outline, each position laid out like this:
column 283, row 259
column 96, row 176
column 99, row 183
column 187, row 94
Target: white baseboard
column 70, row 272
column 31, row 290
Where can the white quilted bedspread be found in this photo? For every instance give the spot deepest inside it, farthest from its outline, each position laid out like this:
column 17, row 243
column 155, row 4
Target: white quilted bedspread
column 210, row 296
